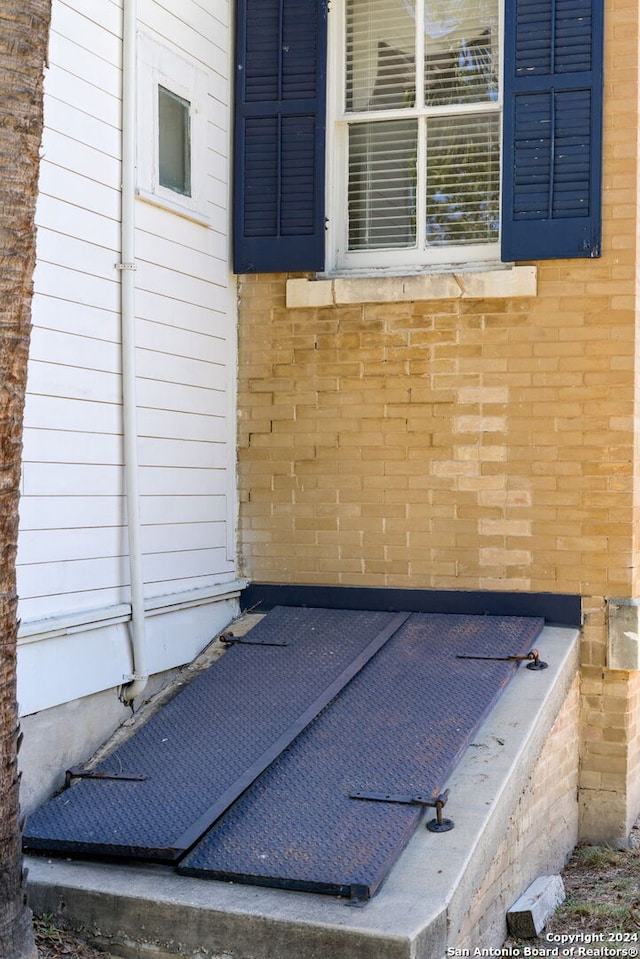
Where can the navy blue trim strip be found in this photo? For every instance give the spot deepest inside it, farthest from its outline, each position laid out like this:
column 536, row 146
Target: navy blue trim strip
column 560, row 609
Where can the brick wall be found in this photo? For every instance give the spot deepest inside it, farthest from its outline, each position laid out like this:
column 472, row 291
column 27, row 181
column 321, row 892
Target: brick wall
column 446, row 444
column 467, row 444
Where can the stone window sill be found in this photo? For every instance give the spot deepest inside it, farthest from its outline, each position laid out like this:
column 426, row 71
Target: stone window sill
column 518, row 281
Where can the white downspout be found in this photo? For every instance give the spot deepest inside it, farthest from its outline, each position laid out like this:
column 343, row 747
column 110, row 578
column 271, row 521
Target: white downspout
column 140, row 672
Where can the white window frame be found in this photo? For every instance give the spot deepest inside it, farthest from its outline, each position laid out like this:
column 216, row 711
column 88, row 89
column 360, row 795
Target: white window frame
column 159, row 66
column 341, row 261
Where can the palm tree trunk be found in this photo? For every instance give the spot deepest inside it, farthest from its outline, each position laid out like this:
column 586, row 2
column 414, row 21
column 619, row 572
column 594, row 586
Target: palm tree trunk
column 24, row 32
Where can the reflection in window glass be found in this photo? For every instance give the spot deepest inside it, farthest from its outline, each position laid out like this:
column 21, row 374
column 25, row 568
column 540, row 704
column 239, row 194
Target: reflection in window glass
column 463, row 180
column 174, row 142
column 461, row 51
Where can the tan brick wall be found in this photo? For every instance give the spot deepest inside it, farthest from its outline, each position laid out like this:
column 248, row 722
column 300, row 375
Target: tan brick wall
column 538, row 837
column 452, row 444
column 466, row 444
column 610, row 787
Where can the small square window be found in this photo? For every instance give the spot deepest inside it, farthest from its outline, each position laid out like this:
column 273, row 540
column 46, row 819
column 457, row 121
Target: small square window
column 174, row 142
column 173, row 112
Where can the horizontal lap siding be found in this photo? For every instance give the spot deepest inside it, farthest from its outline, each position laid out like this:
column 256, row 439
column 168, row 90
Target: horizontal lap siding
column 183, row 373
column 73, row 546
column 185, row 336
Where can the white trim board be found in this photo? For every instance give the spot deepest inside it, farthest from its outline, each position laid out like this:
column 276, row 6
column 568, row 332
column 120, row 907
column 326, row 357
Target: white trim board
column 72, row 656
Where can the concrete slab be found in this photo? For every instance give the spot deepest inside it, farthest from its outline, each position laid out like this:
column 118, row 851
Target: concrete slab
column 416, row 914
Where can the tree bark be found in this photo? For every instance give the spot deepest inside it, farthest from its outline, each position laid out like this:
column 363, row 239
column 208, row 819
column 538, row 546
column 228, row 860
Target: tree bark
column 24, row 33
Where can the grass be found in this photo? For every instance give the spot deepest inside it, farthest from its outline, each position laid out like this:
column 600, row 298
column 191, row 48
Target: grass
column 602, row 908
column 54, row 942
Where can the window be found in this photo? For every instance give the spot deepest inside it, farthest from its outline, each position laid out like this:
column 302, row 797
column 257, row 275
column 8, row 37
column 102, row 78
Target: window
column 417, row 132
column 451, row 137
column 174, row 142
column 171, row 130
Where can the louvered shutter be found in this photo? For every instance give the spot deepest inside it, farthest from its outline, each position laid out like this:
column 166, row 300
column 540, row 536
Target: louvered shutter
column 279, row 136
column 552, row 129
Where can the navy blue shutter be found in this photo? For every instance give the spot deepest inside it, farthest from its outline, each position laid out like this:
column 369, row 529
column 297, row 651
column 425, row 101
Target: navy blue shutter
column 552, row 149
column 280, row 136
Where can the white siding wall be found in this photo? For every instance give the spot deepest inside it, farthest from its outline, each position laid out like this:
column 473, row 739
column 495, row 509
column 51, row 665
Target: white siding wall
column 73, row 575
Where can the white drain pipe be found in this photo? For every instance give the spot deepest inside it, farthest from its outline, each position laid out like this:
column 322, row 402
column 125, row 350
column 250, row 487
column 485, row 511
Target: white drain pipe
column 140, row 671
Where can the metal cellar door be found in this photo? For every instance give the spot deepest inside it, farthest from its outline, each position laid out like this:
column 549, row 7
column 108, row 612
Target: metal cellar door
column 302, row 758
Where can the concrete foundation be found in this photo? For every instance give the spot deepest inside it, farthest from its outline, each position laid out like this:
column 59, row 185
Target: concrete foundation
column 63, row 736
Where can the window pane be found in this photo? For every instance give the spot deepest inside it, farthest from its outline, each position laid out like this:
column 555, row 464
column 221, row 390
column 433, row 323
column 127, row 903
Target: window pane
column 382, row 176
column 463, row 180
column 380, row 55
column 174, row 142
column 461, row 51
